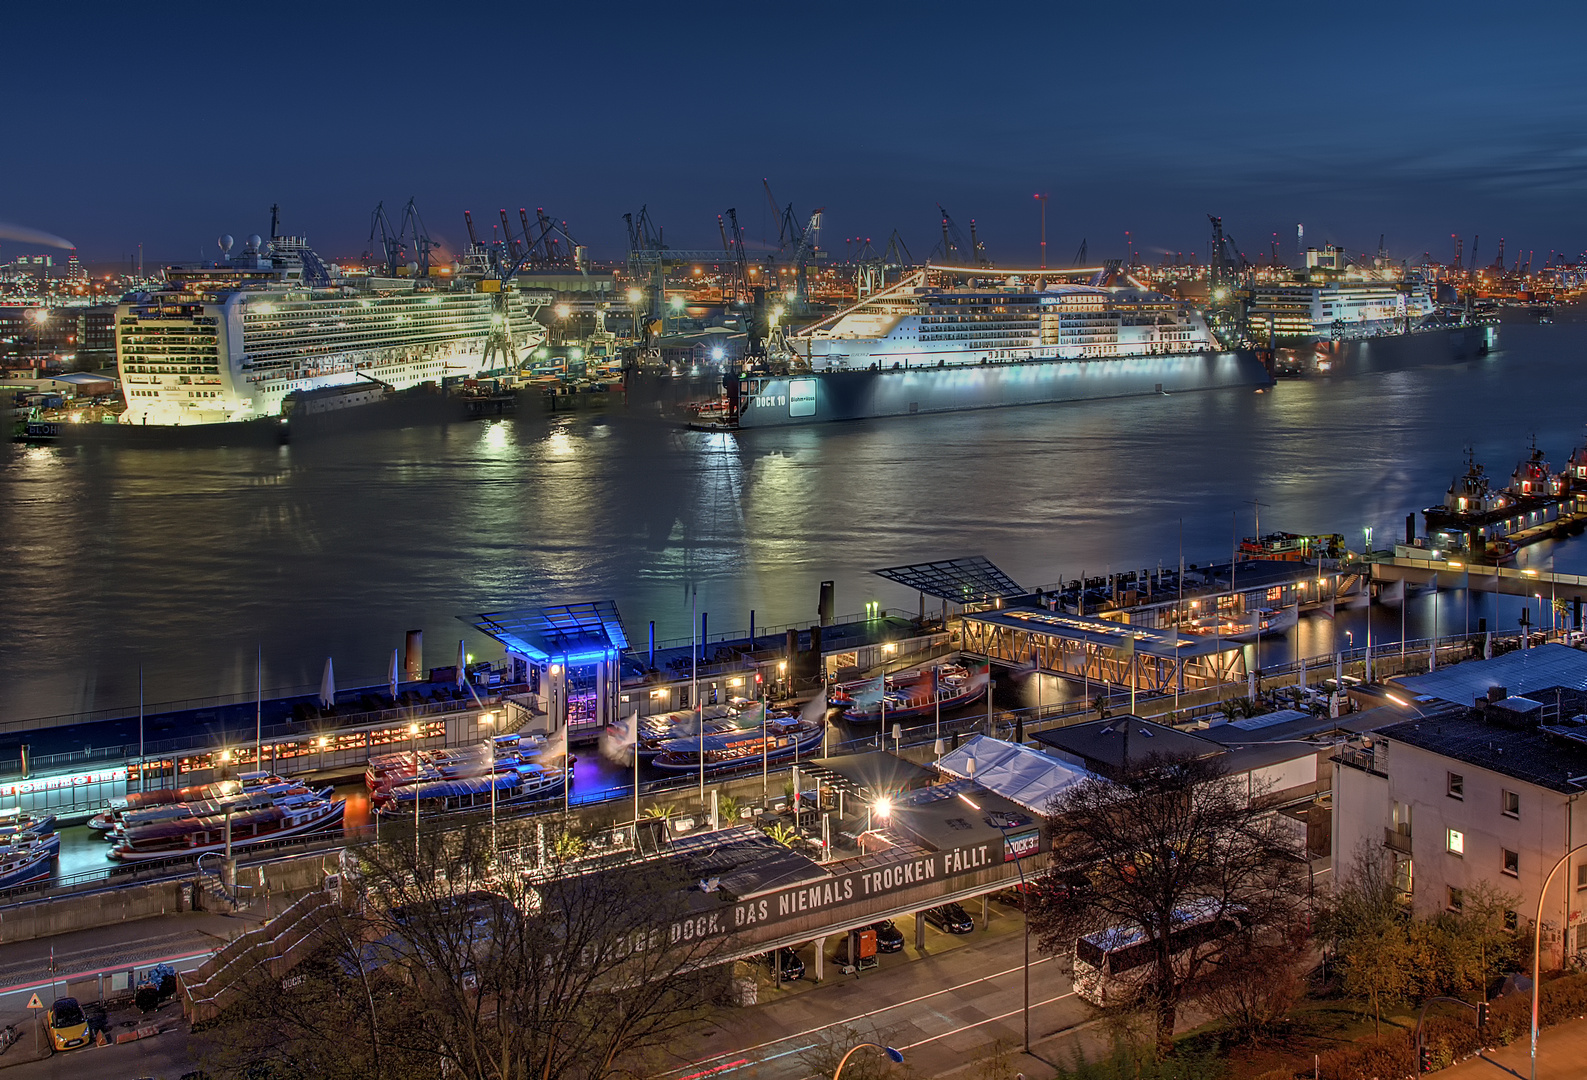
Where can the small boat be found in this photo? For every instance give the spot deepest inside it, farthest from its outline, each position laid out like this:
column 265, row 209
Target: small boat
column 908, row 697
column 237, row 802
column 785, row 737
column 1243, row 627
column 26, row 862
column 20, row 824
column 658, row 729
column 255, row 820
column 522, row 785
column 143, row 800
column 395, row 769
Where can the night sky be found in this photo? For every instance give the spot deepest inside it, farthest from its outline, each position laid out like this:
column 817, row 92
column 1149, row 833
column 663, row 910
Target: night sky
column 172, row 123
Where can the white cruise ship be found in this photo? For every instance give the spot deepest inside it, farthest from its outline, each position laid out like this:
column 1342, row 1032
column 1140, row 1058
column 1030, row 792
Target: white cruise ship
column 1331, row 299
column 1001, row 318
column 228, row 341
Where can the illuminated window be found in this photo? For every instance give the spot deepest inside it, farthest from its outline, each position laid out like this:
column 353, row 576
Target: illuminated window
column 1455, row 842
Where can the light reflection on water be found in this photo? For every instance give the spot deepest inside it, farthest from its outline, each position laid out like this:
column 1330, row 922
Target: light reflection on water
column 181, row 560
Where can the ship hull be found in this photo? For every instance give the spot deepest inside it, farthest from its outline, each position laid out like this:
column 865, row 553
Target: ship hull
column 1356, row 356
column 826, row 396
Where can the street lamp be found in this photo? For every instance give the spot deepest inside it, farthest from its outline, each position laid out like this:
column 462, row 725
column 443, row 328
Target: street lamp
column 489, row 720
column 1537, row 943
column 413, row 730
column 895, row 1056
column 1024, row 909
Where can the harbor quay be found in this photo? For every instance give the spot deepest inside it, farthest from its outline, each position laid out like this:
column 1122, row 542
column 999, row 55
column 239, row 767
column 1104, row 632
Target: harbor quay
column 923, row 828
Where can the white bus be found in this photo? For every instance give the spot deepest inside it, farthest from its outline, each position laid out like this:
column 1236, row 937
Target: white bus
column 1112, row 966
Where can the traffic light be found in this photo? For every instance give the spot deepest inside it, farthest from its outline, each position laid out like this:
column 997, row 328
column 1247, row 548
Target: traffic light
column 1425, row 1063
column 1482, row 1014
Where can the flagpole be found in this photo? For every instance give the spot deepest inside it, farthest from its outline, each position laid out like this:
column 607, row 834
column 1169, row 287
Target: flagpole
column 143, row 765
column 694, row 684
column 258, row 706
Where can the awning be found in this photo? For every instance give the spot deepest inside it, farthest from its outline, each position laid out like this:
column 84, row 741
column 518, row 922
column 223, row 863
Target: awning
column 1017, row 773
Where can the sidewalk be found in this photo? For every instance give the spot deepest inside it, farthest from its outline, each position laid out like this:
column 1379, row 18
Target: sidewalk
column 1561, row 1052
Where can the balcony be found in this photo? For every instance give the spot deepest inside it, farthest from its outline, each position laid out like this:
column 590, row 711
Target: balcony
column 1397, row 841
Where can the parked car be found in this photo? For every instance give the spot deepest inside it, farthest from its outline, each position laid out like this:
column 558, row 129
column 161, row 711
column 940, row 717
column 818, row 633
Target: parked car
column 889, row 938
column 793, row 968
column 68, row 1026
column 950, row 918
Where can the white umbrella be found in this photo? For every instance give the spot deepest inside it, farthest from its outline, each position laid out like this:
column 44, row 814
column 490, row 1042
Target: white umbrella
column 1251, row 683
column 391, row 675
column 328, row 685
column 462, row 661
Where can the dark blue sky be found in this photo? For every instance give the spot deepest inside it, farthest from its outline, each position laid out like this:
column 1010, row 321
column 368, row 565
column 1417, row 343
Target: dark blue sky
column 175, row 122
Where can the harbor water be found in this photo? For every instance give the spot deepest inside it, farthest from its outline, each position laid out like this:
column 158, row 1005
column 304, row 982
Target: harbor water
column 180, row 562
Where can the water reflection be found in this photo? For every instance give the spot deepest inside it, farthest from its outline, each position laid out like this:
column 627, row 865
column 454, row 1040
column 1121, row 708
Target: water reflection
column 182, row 560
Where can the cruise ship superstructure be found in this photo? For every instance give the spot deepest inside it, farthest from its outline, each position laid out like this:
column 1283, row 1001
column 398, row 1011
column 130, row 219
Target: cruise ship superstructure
column 228, row 341
column 919, row 323
column 945, row 339
column 1331, row 299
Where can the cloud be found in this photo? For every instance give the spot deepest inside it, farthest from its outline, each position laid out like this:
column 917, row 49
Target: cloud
column 25, row 235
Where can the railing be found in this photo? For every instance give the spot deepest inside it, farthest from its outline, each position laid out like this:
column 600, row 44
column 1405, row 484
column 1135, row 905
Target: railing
column 1397, row 841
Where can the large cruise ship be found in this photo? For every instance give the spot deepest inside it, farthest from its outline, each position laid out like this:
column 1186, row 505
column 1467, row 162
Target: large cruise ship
column 228, row 341
column 951, row 338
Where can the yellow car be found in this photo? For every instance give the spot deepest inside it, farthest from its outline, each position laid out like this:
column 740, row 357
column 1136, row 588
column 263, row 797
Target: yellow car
column 68, row 1025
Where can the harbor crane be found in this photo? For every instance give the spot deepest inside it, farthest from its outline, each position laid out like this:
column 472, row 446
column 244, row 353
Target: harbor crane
column 406, row 246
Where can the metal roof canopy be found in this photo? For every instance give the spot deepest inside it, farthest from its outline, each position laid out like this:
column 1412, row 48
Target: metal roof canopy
column 1520, row 673
column 1104, row 632
column 963, row 581
column 572, row 633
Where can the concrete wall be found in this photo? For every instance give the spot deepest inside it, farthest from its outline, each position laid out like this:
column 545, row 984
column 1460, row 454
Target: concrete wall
column 274, row 883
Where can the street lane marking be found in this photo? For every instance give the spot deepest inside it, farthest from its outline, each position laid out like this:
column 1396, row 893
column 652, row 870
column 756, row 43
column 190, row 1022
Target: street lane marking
column 861, row 1016
column 988, row 1020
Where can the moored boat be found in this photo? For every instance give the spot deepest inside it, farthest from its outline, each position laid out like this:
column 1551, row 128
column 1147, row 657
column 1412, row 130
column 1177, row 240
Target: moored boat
column 143, row 800
column 522, row 785
column 252, row 820
column 778, row 739
column 26, row 862
column 913, row 695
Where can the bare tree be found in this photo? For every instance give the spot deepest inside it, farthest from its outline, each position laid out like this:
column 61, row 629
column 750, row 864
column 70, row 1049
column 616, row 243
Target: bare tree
column 462, row 965
column 1170, row 836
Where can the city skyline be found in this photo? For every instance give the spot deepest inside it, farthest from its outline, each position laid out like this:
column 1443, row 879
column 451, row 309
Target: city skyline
column 1143, row 122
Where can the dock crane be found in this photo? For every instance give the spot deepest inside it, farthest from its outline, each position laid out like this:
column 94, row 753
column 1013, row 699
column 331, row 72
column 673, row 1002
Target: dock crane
column 385, row 242
column 804, row 253
column 1080, row 256
column 740, row 259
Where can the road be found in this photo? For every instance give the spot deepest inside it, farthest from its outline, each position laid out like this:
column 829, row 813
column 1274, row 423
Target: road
column 944, row 1009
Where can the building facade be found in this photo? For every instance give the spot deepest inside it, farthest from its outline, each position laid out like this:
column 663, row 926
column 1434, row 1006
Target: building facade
column 1463, row 796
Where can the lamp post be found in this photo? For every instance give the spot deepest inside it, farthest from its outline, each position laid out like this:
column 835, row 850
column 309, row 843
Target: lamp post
column 489, row 720
column 1024, row 909
column 895, row 1056
column 1537, row 943
column 413, row 730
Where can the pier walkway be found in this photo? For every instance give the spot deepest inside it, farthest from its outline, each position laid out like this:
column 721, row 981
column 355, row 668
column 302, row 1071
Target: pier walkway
column 1480, row 577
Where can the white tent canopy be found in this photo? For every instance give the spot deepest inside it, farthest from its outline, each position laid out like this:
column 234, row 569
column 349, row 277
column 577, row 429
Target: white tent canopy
column 1017, row 773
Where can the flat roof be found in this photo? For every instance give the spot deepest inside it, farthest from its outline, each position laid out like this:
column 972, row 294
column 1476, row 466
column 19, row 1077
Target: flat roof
column 1101, row 744
column 574, row 633
column 1102, row 632
column 1520, row 673
column 868, row 775
column 1526, row 753
column 969, row 580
